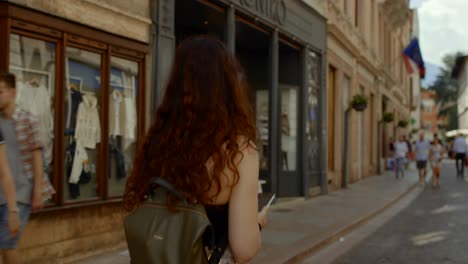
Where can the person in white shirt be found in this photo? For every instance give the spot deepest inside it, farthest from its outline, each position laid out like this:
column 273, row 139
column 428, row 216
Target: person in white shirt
column 460, row 149
column 401, row 149
column 422, row 147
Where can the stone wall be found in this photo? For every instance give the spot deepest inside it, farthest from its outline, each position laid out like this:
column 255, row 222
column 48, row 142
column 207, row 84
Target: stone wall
column 128, row 18
column 70, row 234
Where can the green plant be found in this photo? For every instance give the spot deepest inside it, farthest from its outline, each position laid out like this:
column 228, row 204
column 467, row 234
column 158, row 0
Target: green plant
column 388, row 117
column 359, row 99
column 403, row 123
column 414, row 131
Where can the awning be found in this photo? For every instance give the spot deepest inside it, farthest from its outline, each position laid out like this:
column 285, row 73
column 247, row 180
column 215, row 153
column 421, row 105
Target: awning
column 455, row 132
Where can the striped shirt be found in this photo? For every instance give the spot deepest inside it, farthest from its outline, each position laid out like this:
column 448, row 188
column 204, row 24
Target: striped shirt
column 27, row 137
column 21, row 136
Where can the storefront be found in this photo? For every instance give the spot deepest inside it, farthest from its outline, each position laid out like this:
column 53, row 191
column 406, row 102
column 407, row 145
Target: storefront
column 281, row 46
column 86, row 69
column 87, row 87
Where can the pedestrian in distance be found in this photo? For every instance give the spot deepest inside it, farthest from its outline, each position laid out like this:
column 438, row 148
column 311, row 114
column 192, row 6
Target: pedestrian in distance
column 401, row 152
column 422, row 147
column 202, row 143
column 436, row 154
column 21, row 132
column 409, row 153
column 460, row 150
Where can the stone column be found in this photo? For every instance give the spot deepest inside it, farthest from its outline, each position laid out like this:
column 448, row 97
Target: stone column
column 231, row 29
column 273, row 164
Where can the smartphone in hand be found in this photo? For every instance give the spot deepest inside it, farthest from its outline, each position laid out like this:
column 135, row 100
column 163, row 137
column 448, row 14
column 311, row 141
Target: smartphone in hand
column 265, row 200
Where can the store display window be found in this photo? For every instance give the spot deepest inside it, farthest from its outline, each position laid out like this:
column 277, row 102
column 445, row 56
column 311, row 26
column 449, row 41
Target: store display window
column 88, row 97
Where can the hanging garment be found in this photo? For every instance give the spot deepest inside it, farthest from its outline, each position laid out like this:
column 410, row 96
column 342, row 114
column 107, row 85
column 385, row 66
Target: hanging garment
column 129, row 121
column 115, row 113
column 88, row 127
column 73, row 188
column 119, row 159
column 76, row 99
column 77, row 168
column 36, row 100
column 80, row 157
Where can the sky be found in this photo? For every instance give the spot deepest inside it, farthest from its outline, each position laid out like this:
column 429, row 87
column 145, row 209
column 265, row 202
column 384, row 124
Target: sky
column 443, row 28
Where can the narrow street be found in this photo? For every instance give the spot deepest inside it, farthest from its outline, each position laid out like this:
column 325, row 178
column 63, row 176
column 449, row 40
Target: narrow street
column 432, row 229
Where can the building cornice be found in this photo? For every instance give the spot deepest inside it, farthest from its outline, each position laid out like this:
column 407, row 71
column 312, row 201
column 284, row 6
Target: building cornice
column 396, row 12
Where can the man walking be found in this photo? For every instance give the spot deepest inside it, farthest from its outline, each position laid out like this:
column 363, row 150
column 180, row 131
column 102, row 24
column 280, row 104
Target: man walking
column 460, row 149
column 21, row 132
column 422, row 147
column 401, row 150
column 408, row 154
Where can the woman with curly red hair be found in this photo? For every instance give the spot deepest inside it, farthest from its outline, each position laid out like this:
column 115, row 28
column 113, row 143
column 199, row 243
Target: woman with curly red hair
column 202, row 142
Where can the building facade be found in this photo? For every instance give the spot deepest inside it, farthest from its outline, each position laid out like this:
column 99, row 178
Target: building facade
column 68, row 56
column 460, row 73
column 281, row 45
column 430, row 119
column 365, row 45
column 415, row 82
column 113, row 58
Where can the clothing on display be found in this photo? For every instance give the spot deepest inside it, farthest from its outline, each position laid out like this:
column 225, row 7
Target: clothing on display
column 79, row 157
column 76, row 98
column 130, row 118
column 119, row 159
column 35, row 98
column 77, row 168
column 88, row 127
column 122, row 117
column 115, row 113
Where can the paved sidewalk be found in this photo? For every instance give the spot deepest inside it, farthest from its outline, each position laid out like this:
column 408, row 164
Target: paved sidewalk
column 298, row 228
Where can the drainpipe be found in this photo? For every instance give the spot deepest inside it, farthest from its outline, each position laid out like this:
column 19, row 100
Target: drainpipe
column 379, row 142
column 344, row 181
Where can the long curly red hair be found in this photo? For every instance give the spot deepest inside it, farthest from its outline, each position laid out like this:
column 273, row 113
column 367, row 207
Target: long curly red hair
column 204, row 112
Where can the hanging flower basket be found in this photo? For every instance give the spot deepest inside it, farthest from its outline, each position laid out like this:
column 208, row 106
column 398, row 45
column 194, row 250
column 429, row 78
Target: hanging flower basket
column 388, row 117
column 403, row 123
column 359, row 102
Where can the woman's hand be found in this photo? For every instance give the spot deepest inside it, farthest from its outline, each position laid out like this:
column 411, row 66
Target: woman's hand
column 262, row 217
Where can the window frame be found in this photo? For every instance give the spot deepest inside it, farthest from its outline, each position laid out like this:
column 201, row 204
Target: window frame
column 63, row 33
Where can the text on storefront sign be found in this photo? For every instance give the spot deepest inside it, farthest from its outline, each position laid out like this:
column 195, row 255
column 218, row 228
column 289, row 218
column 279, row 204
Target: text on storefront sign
column 272, row 9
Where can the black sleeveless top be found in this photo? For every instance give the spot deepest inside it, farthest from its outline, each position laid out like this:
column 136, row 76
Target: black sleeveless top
column 218, row 215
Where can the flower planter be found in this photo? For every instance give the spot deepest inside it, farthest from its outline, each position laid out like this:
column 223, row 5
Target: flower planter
column 359, row 107
column 403, row 123
column 388, row 117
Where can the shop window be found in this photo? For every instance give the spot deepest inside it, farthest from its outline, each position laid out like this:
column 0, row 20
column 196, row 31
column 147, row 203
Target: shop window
column 82, row 123
column 33, row 63
column 122, row 122
column 290, row 81
column 69, row 83
column 198, row 18
column 252, row 50
column 312, row 128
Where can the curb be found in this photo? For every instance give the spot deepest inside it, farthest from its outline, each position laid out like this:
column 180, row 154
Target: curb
column 347, row 229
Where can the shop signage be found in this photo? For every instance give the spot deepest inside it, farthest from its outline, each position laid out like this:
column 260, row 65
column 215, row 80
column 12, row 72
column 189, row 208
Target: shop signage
column 272, row 9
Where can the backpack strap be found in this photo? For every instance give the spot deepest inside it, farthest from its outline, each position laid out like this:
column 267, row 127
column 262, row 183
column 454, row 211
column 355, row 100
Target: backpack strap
column 166, row 185
column 218, row 250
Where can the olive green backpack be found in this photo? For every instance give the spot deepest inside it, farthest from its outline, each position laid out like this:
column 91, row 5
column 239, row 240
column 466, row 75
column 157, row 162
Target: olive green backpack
column 156, row 234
